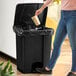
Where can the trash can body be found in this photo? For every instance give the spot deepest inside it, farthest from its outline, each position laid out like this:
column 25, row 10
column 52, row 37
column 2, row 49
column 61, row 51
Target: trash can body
column 33, row 51
column 33, row 46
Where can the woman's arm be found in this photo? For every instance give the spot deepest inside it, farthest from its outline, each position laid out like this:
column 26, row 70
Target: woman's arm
column 47, row 2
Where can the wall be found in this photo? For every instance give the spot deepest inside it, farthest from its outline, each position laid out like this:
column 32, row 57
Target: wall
column 7, row 36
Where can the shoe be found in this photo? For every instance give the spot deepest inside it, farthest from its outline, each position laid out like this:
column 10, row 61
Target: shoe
column 43, row 71
column 71, row 74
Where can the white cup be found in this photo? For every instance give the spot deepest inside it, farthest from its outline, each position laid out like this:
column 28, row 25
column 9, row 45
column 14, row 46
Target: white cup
column 36, row 20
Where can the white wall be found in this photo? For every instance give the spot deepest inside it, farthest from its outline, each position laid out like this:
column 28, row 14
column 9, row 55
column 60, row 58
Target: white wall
column 7, row 36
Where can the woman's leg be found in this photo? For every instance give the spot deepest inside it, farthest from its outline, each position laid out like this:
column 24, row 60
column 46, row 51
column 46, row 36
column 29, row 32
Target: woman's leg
column 71, row 30
column 59, row 37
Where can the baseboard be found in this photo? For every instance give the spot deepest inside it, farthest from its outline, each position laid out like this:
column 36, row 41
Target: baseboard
column 6, row 57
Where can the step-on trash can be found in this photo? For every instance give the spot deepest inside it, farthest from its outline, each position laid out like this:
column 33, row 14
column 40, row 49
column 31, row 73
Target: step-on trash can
column 33, row 44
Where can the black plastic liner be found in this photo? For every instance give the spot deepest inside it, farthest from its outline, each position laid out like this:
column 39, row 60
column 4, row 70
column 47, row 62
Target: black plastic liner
column 35, row 31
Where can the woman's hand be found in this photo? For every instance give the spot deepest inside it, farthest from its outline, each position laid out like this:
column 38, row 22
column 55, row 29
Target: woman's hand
column 39, row 11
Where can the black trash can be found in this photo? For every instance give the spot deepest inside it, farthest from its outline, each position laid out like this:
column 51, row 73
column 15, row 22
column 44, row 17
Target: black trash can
column 33, row 44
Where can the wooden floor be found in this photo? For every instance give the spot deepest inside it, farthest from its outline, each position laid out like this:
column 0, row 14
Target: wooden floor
column 62, row 66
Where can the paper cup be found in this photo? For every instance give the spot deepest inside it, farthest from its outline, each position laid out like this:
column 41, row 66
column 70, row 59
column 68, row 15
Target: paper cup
column 36, row 20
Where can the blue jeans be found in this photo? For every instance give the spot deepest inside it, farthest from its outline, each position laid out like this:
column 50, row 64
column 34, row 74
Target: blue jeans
column 67, row 25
